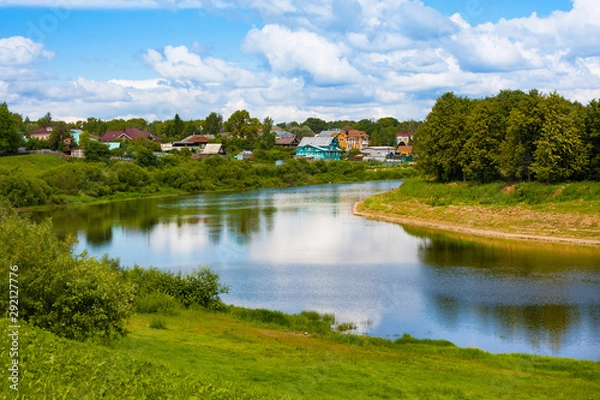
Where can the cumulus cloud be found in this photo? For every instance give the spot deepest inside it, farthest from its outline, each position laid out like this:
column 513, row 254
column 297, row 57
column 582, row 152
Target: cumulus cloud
column 181, row 64
column 18, row 51
column 331, row 59
column 291, row 52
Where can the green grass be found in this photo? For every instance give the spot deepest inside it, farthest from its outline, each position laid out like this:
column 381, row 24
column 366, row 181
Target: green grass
column 569, row 210
column 221, row 355
column 31, row 164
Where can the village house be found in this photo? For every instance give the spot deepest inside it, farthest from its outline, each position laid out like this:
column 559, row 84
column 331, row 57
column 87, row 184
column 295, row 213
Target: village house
column 211, row 149
column 42, row 133
column 404, row 138
column 315, row 148
column 378, row 153
column 287, row 141
column 192, row 142
column 356, row 139
column 128, row 134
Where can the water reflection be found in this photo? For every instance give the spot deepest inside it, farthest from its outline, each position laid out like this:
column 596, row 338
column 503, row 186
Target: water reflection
column 302, row 248
column 547, row 294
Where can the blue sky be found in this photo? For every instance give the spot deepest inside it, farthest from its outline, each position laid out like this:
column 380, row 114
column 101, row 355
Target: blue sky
column 288, row 59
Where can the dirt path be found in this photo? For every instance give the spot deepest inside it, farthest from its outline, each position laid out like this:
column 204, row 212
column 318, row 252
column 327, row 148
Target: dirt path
column 456, row 227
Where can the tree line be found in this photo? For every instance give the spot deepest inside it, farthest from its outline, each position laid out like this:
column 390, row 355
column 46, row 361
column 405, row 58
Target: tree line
column 512, row 136
column 245, row 131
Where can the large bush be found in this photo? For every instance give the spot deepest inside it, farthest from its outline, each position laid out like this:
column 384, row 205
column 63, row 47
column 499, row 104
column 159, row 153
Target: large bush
column 24, row 191
column 92, row 179
column 76, row 297
column 133, row 178
column 201, row 287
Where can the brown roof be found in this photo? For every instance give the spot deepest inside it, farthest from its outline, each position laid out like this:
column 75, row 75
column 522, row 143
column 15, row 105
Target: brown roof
column 127, row 133
column 357, row 134
column 41, row 131
column 195, row 139
column 286, row 141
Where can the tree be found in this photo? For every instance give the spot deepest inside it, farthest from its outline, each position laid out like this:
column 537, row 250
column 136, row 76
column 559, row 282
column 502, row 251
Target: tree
column 213, row 123
column 592, row 138
column 316, row 124
column 242, row 125
column 523, row 128
column 10, row 139
column 440, row 140
column 46, row 120
column 96, row 151
column 302, row 131
column 559, row 153
column 58, row 137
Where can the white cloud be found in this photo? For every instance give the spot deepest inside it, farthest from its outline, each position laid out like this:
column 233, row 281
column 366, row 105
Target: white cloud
column 331, row 59
column 17, row 51
column 290, row 52
column 181, row 64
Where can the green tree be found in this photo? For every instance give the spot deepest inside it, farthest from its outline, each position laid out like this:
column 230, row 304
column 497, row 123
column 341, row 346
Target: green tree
column 10, row 139
column 95, row 151
column 592, row 138
column 58, row 137
column 523, row 128
column 242, row 125
column 302, row 131
column 560, row 154
column 46, row 120
column 316, row 124
column 213, row 123
column 440, row 140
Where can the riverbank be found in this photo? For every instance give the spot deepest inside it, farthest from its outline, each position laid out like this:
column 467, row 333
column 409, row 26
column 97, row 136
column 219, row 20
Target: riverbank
column 256, row 355
column 567, row 213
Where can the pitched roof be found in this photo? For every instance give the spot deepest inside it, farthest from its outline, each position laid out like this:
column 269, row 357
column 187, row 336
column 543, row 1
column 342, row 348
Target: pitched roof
column 41, row 131
column 195, row 139
column 356, row 133
column 213, row 148
column 322, row 142
column 327, row 133
column 286, row 140
column 128, row 133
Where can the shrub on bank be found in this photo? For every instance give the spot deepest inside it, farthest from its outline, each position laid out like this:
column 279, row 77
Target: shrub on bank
column 73, row 296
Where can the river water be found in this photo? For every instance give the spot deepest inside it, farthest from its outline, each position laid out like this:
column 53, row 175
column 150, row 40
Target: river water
column 302, row 249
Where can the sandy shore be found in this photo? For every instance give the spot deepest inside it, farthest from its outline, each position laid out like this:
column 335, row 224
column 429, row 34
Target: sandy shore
column 450, row 227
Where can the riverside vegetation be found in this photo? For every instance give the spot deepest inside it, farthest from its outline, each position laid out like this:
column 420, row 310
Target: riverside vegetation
column 95, row 329
column 38, row 180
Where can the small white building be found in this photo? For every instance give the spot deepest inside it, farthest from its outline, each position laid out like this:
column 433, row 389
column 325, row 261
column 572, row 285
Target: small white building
column 378, row 153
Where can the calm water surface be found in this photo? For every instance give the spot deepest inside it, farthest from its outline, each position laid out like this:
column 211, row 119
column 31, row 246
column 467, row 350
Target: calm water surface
column 303, row 249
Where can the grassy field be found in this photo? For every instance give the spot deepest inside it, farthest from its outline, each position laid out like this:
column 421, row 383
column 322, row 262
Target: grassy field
column 200, row 354
column 569, row 211
column 32, row 165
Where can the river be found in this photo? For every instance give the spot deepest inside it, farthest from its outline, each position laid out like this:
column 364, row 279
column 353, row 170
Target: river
column 302, row 248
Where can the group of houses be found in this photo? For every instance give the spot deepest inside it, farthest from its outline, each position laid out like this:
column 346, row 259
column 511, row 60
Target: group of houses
column 325, row 145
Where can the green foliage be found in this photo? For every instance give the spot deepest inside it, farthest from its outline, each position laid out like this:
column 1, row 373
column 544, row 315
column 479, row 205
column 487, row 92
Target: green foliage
column 73, row 296
column 156, row 302
column 22, row 190
column 10, row 139
column 512, row 136
column 200, row 287
column 92, row 179
column 133, row 178
column 306, row 321
column 96, row 152
column 158, row 323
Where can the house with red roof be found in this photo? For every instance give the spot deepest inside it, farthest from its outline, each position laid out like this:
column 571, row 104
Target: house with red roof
column 42, row 133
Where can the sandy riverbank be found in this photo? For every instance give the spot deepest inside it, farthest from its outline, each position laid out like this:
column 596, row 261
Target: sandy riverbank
column 360, row 210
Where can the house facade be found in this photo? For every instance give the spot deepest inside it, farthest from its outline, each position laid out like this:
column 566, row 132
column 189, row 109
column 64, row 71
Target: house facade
column 356, row 139
column 42, row 133
column 378, row 153
column 319, row 148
